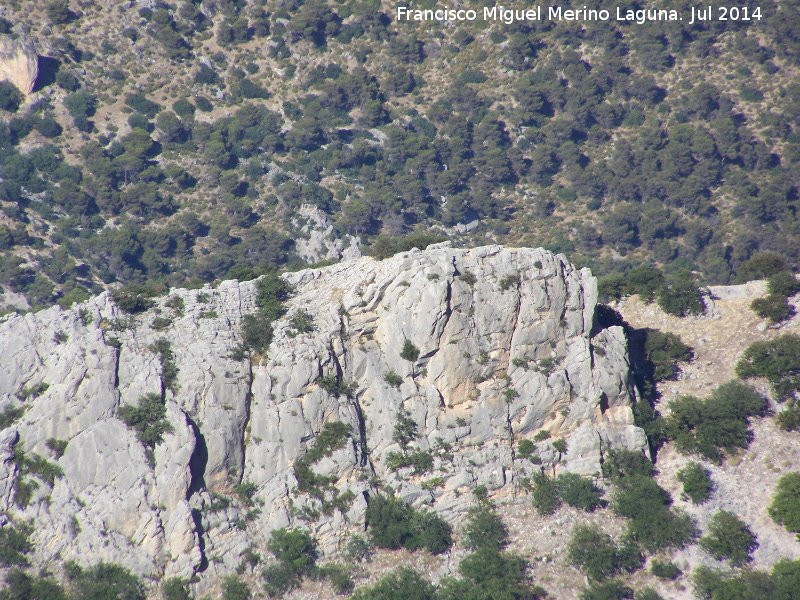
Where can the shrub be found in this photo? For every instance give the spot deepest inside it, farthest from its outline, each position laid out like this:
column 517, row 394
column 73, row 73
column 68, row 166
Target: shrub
column 697, row 482
column 468, row 277
column 405, row 430
column 358, row 549
column 541, row 436
column 104, row 582
column 652, row 523
column 680, row 296
column 509, row 281
column 789, row 419
column 777, row 360
column 10, row 97
column 785, row 507
column 421, row 460
column 14, row 545
column 607, row 590
column 393, row 379
column 579, row 492
column 729, row 538
column 21, row 586
column 720, row 422
column 598, row 556
column 760, row 266
column 488, row 574
column 664, row 351
column 774, row 307
column 393, row 524
column 279, row 578
column 665, row 570
column 66, row 80
column 783, row 284
column 339, row 578
column 148, row 419
column 403, row 584
column 620, row 465
column 525, row 448
column 272, row 291
column 644, row 280
column 294, row 548
column 256, row 333
column 234, row 589
column 175, row 588
column 10, row 415
column 647, row 593
column 485, row 529
column 409, row 351
column 545, row 494
column 59, row 447
column 302, row 321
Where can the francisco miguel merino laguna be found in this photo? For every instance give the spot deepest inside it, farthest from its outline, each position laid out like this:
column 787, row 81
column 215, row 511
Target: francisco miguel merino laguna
column 558, row 13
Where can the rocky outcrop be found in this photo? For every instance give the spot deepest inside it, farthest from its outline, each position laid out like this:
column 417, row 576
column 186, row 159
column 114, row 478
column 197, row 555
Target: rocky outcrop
column 506, row 350
column 18, row 62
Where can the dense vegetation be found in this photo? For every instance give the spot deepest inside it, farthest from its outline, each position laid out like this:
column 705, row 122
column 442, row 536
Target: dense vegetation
column 189, row 140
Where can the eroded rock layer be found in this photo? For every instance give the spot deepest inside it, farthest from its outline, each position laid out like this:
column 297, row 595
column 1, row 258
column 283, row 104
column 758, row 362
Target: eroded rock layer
column 506, row 350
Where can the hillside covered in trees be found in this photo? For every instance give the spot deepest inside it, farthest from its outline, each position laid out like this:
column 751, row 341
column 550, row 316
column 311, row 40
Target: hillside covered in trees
column 173, row 143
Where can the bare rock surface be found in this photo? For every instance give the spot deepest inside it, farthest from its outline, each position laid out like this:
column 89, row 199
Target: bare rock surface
column 506, row 351
column 18, row 62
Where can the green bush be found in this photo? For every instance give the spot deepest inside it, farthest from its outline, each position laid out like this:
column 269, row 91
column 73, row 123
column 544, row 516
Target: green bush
column 175, row 588
column 647, row 593
column 508, row 282
column 653, row 524
column 781, row 584
column 256, row 333
column 14, row 545
column 402, row 584
column 681, row 297
column 393, row 379
column 579, row 492
column 409, row 351
column 665, row 570
column 762, row 265
column 148, row 419
column 485, row 529
column 697, row 482
column 21, row 586
column 785, row 507
column 545, row 494
column 598, row 556
column 272, row 291
column 720, row 422
column 488, row 574
column 294, row 548
column 104, row 582
column 280, row 578
column 302, row 321
column 358, row 549
column 783, row 284
column 620, row 465
column 59, row 447
column 777, row 360
column 525, row 448
column 664, row 351
column 10, row 97
column 789, row 418
column 607, row 590
column 392, row 523
column 729, row 538
column 774, row 307
column 421, row 460
column 235, row 589
column 644, row 280
column 10, row 415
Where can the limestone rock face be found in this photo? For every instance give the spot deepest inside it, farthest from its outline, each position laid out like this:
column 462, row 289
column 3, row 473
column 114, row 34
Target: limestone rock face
column 505, row 349
column 18, row 63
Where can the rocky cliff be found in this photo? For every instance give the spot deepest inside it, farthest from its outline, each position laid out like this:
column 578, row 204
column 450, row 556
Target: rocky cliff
column 500, row 346
column 18, row 62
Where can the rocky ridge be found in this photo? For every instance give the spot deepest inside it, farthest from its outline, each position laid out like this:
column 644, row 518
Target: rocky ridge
column 507, row 348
